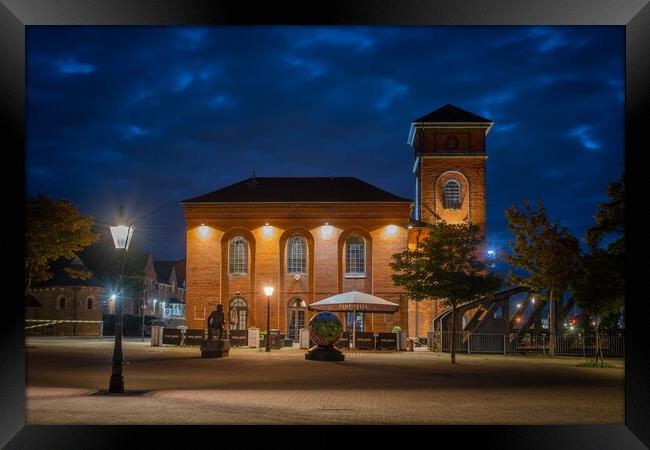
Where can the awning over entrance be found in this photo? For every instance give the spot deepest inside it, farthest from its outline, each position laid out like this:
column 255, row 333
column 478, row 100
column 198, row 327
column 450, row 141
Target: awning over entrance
column 354, row 301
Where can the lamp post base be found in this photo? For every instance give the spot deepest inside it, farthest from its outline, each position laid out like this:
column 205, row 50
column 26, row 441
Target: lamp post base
column 116, row 385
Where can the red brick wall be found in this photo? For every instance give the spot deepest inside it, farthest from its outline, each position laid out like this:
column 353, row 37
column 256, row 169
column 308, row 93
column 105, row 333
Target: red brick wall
column 208, row 281
column 75, row 309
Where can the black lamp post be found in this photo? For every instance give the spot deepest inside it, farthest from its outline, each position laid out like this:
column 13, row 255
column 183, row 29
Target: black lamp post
column 268, row 290
column 121, row 237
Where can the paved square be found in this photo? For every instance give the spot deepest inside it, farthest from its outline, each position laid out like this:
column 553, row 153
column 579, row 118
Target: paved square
column 281, row 387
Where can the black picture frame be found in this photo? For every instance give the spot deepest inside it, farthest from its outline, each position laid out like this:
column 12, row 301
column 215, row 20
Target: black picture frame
column 15, row 15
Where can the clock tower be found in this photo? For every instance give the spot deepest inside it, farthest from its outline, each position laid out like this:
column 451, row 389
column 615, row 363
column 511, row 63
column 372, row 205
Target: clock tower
column 449, row 168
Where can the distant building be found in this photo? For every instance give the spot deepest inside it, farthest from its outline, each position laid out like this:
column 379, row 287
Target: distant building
column 164, row 290
column 65, row 306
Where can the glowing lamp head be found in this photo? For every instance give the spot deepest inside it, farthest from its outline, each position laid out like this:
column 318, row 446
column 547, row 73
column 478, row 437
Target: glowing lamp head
column 326, row 230
column 113, row 297
column 268, row 290
column 518, row 305
column 490, row 252
column 204, row 231
column 122, row 236
column 391, row 230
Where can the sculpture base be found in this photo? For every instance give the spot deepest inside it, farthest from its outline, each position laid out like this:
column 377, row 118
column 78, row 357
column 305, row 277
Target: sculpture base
column 214, row 348
column 324, row 353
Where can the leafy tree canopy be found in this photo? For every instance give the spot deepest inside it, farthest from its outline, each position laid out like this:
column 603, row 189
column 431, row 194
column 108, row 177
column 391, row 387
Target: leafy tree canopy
column 54, row 229
column 599, row 287
column 545, row 253
column 445, row 265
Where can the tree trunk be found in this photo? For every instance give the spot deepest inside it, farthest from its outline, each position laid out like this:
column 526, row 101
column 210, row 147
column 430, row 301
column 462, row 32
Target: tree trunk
column 599, row 354
column 29, row 285
column 551, row 325
column 453, row 334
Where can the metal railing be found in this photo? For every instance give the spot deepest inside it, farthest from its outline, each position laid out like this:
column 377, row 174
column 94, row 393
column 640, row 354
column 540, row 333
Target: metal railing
column 527, row 344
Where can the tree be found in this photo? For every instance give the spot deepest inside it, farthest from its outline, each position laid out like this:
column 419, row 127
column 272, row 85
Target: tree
column 546, row 255
column 445, row 266
column 599, row 288
column 54, row 229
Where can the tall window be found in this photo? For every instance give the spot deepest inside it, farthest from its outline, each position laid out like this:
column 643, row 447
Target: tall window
column 62, row 303
column 296, row 318
column 238, row 314
column 89, row 303
column 296, row 255
column 452, row 194
column 238, row 256
column 355, row 256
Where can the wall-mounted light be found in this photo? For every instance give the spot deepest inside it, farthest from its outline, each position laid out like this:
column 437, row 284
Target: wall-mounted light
column 391, row 230
column 267, row 230
column 326, row 231
column 204, row 230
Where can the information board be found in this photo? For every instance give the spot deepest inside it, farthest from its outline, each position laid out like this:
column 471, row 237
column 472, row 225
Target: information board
column 194, row 336
column 386, row 341
column 172, row 336
column 238, row 338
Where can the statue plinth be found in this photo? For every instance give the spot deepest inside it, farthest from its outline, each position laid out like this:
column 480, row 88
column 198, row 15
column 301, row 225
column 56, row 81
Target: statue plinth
column 324, row 353
column 215, row 348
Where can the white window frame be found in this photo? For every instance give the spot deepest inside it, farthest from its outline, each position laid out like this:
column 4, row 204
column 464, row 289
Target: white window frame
column 297, row 265
column 349, row 274
column 234, row 265
column 444, row 194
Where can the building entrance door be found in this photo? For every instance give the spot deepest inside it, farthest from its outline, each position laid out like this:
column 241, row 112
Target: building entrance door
column 296, row 319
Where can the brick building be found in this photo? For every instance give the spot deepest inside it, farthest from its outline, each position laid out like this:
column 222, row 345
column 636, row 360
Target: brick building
column 65, row 298
column 311, row 238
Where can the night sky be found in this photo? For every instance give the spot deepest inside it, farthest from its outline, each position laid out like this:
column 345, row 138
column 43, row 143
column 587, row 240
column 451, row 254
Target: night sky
column 150, row 116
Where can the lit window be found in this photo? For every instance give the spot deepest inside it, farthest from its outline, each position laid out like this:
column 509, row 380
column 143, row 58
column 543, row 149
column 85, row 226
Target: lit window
column 296, row 254
column 238, row 314
column 452, row 194
column 355, row 256
column 238, row 255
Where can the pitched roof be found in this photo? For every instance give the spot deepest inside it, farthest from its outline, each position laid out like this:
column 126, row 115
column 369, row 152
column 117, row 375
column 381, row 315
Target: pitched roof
column 31, row 301
column 451, row 114
column 164, row 270
column 298, row 189
column 179, row 267
column 62, row 278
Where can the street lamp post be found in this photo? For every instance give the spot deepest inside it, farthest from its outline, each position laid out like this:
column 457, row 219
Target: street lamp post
column 122, row 235
column 268, row 290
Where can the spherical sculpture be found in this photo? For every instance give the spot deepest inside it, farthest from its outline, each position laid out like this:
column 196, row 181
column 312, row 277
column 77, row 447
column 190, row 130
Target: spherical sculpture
column 325, row 328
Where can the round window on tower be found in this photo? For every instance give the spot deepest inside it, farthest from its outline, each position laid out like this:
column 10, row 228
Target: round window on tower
column 451, row 142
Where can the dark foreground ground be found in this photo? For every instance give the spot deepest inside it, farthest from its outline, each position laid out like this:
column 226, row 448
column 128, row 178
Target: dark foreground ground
column 253, row 387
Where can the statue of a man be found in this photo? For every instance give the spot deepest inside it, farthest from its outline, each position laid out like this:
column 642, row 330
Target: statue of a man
column 215, row 323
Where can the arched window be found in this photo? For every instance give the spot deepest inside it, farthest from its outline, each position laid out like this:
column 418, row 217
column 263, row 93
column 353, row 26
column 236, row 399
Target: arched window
column 355, row 255
column 238, row 256
column 296, row 255
column 62, row 303
column 89, row 303
column 452, row 194
column 238, row 314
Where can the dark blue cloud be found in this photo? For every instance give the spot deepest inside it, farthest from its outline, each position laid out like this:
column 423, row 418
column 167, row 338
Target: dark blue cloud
column 149, row 116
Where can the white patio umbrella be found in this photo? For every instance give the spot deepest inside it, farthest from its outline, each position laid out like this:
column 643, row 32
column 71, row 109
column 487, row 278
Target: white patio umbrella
column 354, row 301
